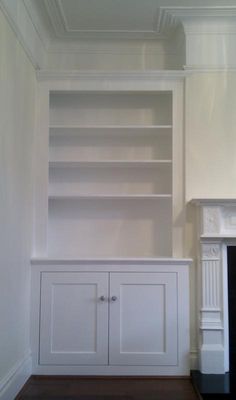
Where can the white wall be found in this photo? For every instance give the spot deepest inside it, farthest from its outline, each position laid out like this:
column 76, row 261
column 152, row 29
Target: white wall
column 118, row 55
column 17, row 105
column 210, row 154
column 211, row 135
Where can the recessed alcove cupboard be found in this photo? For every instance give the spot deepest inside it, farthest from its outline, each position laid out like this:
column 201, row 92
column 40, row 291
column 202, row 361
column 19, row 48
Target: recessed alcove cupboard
column 107, row 265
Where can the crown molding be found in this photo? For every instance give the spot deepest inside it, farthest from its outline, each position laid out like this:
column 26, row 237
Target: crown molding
column 25, row 31
column 37, row 21
column 163, row 24
column 45, row 75
column 204, row 20
column 201, row 12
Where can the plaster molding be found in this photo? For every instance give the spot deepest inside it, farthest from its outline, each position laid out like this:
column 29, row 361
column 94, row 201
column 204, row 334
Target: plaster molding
column 24, row 28
column 203, row 20
column 211, row 220
column 211, row 251
column 206, row 28
column 162, row 24
column 201, row 12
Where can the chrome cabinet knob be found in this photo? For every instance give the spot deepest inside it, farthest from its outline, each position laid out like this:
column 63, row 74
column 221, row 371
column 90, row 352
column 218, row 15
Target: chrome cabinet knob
column 102, row 298
column 113, row 298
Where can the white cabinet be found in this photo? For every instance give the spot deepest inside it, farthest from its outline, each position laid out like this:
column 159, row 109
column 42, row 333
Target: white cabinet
column 109, row 221
column 143, row 319
column 74, row 319
column 108, row 318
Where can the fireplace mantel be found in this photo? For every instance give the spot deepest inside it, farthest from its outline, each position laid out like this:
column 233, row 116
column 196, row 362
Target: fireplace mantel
column 216, row 227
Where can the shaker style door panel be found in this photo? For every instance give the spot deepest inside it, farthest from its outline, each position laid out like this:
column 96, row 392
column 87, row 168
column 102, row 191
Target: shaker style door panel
column 74, row 318
column 143, row 319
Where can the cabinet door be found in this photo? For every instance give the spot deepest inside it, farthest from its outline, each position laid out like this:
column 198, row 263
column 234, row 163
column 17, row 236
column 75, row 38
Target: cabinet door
column 143, row 319
column 74, row 318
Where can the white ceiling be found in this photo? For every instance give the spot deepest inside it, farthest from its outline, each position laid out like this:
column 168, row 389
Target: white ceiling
column 119, row 19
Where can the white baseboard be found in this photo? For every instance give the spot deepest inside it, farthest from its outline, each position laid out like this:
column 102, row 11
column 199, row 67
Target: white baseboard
column 12, row 383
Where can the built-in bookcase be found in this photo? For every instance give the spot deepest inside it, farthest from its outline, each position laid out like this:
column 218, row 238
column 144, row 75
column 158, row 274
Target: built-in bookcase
column 110, row 174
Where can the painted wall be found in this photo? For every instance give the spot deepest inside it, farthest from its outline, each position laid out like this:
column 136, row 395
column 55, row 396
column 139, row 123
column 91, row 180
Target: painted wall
column 211, row 135
column 118, row 54
column 210, row 154
column 17, row 104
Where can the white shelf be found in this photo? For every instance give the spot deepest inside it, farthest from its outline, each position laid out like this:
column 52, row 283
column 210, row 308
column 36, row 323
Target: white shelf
column 132, row 261
column 110, row 197
column 99, row 127
column 110, row 175
column 109, row 163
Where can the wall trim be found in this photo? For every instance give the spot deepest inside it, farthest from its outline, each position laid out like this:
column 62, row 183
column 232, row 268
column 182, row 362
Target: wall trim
column 111, row 75
column 25, row 31
column 202, row 11
column 12, row 383
column 199, row 68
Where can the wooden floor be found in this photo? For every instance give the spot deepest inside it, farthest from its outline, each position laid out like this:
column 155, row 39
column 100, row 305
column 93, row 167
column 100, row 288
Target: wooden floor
column 71, row 388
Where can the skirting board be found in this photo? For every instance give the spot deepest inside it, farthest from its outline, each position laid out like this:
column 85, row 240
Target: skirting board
column 12, row 383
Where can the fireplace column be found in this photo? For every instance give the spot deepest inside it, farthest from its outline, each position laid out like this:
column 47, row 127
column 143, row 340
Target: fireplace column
column 217, row 222
column 211, row 356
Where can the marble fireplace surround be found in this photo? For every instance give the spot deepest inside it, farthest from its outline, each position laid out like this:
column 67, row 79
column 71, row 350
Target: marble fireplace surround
column 216, row 230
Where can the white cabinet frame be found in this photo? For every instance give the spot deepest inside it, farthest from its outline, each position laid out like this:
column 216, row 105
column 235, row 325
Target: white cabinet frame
column 111, row 82
column 178, row 268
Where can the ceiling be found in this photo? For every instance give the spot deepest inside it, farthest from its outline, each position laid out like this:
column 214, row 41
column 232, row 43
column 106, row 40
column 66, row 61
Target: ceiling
column 113, row 19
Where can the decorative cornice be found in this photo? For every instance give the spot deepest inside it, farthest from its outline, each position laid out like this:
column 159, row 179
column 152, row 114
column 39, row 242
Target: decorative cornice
column 162, row 25
column 202, row 12
column 24, row 28
column 205, row 20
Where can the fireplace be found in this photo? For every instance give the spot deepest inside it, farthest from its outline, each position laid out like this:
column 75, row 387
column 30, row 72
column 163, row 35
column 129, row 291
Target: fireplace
column 217, row 241
column 231, row 257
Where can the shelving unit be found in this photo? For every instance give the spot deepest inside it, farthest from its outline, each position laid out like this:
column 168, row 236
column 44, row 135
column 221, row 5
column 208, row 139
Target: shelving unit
column 110, row 174
column 109, row 224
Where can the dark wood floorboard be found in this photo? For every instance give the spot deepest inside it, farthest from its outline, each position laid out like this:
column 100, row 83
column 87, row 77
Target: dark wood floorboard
column 80, row 388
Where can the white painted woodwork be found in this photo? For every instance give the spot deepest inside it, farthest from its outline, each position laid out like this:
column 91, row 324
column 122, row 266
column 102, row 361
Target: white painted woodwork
column 76, row 108
column 109, row 227
column 150, row 317
column 114, row 191
column 110, row 178
column 216, row 227
column 74, row 319
column 64, row 36
column 110, row 157
column 143, row 319
column 110, row 137
column 111, row 142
